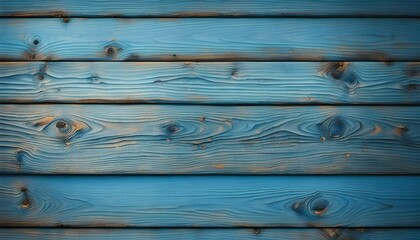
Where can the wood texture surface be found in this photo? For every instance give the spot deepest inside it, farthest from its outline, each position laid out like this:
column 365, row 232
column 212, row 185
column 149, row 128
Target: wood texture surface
column 210, row 201
column 210, row 234
column 187, row 139
column 208, row 8
column 211, row 82
column 210, row 39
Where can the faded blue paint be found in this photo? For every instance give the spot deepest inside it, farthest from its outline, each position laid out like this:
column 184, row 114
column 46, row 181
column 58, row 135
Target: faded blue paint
column 210, row 39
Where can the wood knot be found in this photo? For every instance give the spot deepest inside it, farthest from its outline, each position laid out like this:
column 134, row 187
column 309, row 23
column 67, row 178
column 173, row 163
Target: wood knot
column 171, row 129
column 20, row 155
column 319, row 206
column 36, row 41
column 234, row 71
column 334, row 127
column 26, row 203
column 61, row 128
column 312, row 207
column 110, row 51
column 332, row 233
column 61, row 124
column 340, row 71
column 401, row 130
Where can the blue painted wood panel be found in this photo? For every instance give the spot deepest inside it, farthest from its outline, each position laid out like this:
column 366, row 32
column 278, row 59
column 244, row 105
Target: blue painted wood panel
column 209, row 82
column 208, row 8
column 210, row 201
column 210, row 39
column 255, row 168
column 210, row 233
column 186, row 139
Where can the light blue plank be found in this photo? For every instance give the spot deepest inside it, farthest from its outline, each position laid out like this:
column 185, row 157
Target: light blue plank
column 210, row 234
column 210, row 201
column 185, row 8
column 210, row 82
column 210, row 39
column 185, row 139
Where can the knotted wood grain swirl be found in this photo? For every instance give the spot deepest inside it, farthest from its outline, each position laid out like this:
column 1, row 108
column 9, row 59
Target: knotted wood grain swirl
column 165, row 139
column 208, row 82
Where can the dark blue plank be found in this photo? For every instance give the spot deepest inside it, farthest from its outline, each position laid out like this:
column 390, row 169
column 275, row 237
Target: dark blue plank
column 210, row 201
column 210, row 233
column 209, row 8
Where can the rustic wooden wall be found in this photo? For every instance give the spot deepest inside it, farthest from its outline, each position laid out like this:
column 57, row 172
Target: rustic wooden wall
column 210, row 119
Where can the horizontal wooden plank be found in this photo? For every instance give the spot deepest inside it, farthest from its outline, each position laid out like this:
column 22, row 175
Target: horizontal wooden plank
column 210, row 39
column 191, row 8
column 211, row 82
column 188, row 139
column 210, row 201
column 210, row 233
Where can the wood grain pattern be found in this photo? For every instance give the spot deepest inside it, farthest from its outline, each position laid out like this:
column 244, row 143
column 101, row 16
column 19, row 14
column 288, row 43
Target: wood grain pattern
column 210, row 39
column 186, row 139
column 207, row 8
column 210, row 82
column 210, row 233
column 210, row 201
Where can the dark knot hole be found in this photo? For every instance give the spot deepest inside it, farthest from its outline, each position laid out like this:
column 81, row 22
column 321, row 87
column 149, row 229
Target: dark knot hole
column 61, row 124
column 110, row 51
column 172, row 129
column 319, row 206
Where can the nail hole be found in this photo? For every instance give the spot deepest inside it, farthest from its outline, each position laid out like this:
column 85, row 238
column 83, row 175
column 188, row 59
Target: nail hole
column 66, row 20
column 36, row 41
column 40, row 77
column 23, row 189
column 257, row 231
